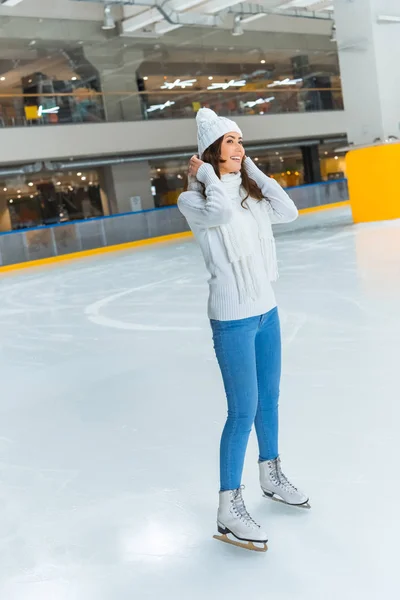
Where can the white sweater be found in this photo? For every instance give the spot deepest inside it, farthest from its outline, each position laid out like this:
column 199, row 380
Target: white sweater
column 206, row 215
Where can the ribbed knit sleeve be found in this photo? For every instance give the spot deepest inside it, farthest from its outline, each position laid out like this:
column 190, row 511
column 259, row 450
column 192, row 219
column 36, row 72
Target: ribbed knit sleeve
column 210, row 211
column 281, row 207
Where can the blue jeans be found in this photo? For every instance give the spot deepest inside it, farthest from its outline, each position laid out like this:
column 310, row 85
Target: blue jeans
column 249, row 356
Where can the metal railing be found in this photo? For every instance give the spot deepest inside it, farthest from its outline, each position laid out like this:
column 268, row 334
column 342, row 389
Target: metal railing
column 65, row 238
column 87, row 106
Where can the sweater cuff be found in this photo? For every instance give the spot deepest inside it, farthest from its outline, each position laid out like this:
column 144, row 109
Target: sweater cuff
column 207, row 175
column 254, row 172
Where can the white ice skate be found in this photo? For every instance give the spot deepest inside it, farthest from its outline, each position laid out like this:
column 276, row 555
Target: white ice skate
column 276, row 485
column 236, row 526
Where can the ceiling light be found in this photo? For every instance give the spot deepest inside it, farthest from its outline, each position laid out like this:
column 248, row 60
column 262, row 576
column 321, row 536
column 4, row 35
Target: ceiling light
column 4, row 189
column 79, row 174
column 30, row 184
column 19, row 196
column 10, row 2
column 18, row 191
column 237, row 26
column 83, row 178
column 31, row 196
column 178, row 83
column 336, row 158
column 159, row 106
column 256, row 159
column 11, row 201
column 285, row 81
column 263, row 61
column 108, row 21
column 58, row 182
column 145, row 78
column 32, row 42
column 226, row 85
column 253, row 103
column 74, row 78
column 388, row 19
column 2, row 78
column 210, row 78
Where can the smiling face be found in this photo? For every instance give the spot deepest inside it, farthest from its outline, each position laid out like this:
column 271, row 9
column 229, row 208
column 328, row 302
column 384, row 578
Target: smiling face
column 232, row 153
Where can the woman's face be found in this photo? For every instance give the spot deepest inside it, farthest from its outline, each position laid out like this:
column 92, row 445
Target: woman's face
column 232, row 152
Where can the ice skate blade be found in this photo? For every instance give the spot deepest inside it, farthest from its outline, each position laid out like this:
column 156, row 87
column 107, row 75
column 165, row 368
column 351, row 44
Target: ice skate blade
column 306, row 505
column 245, row 545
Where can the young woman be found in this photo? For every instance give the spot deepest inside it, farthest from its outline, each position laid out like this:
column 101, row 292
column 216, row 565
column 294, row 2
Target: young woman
column 230, row 205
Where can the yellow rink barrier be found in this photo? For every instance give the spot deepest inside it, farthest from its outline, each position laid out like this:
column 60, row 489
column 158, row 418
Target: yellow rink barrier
column 128, row 245
column 374, row 184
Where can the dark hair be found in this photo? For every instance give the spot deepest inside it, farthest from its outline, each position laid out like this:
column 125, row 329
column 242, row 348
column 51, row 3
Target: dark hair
column 212, row 156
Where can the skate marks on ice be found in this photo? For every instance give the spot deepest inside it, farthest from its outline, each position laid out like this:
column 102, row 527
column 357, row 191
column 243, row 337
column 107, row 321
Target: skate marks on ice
column 93, row 311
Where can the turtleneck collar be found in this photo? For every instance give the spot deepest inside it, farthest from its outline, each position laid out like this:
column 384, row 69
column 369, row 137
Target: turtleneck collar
column 232, row 181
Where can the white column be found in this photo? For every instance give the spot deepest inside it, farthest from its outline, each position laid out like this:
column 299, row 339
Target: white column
column 125, row 181
column 368, row 38
column 118, row 73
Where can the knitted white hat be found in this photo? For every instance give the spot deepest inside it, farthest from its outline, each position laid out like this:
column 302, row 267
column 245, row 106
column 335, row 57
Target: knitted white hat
column 210, row 127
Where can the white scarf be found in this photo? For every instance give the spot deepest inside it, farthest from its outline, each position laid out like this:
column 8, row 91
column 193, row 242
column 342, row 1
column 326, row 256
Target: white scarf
column 237, row 240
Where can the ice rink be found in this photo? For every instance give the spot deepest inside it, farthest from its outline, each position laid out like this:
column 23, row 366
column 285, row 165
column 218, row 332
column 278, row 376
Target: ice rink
column 112, row 409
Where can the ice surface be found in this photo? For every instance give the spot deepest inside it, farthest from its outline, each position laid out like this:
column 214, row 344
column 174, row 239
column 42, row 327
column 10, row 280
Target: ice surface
column 112, row 407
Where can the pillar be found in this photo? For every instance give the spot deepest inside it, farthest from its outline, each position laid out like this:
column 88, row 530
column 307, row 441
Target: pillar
column 123, row 182
column 312, row 167
column 118, row 72
column 368, row 37
column 5, row 219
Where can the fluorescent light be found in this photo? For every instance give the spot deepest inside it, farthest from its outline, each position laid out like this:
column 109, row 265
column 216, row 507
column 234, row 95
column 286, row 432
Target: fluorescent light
column 259, row 101
column 178, row 83
column 10, row 2
column 226, row 85
column 159, row 106
column 388, row 19
column 286, row 81
column 47, row 111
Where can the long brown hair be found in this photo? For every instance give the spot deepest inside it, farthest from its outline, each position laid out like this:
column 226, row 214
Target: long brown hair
column 212, row 156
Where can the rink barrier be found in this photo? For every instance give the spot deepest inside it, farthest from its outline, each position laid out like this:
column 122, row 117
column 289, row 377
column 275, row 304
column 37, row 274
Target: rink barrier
column 44, row 245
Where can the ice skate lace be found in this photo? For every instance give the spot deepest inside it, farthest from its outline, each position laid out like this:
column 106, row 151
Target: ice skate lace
column 279, row 478
column 240, row 510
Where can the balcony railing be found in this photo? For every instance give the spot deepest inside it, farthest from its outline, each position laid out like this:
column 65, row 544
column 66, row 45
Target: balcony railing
column 87, row 106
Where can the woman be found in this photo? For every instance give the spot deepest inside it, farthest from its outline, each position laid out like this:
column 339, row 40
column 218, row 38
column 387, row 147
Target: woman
column 230, row 205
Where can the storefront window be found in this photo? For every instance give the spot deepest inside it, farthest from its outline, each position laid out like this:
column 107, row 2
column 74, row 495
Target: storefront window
column 47, row 198
column 333, row 163
column 168, row 177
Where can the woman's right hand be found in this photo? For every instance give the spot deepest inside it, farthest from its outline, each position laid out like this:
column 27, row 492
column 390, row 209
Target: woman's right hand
column 194, row 165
